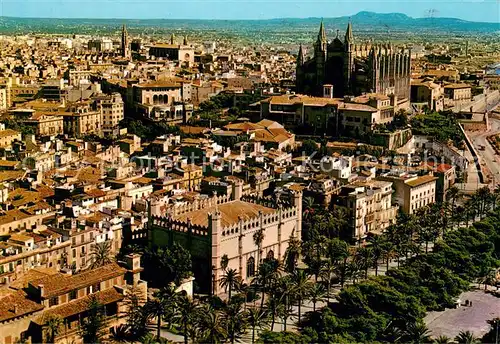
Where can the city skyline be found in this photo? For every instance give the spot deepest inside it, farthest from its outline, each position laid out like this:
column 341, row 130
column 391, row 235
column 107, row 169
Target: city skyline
column 480, row 11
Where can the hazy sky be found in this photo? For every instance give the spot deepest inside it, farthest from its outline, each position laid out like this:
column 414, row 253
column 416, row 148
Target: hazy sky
column 476, row 10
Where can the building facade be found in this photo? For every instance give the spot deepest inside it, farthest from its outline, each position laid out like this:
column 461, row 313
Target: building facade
column 224, row 227
column 353, row 69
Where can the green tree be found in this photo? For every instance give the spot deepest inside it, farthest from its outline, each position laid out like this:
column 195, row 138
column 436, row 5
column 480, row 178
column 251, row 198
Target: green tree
column 52, row 327
column 163, row 305
column 214, row 329
column 256, row 318
column 93, row 326
column 301, row 287
column 317, row 293
column 186, row 314
column 466, row 337
column 235, row 319
column 101, row 254
column 230, row 281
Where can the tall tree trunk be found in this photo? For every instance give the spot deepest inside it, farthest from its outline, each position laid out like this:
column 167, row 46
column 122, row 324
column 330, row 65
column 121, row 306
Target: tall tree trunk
column 159, row 327
column 185, row 334
column 262, row 298
column 272, row 323
column 229, row 293
column 314, row 306
column 300, row 302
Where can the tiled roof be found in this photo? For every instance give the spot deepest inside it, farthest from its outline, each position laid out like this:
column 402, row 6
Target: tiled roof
column 81, row 305
column 8, row 132
column 421, row 180
column 230, row 212
column 17, row 301
column 60, row 284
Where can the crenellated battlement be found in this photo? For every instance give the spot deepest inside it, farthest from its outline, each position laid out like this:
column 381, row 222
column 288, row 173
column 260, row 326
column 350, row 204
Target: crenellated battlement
column 180, row 209
column 179, row 226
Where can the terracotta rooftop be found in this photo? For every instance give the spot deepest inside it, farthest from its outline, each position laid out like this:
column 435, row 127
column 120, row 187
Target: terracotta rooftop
column 230, row 213
column 421, row 180
column 17, row 304
column 60, row 284
column 81, row 305
column 8, row 132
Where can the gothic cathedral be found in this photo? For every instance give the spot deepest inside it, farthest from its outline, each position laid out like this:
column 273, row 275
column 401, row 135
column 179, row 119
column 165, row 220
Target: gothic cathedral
column 353, row 69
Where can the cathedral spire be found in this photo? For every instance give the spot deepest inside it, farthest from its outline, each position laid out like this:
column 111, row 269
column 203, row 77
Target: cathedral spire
column 349, row 38
column 322, row 33
column 172, row 39
column 300, row 56
column 124, row 43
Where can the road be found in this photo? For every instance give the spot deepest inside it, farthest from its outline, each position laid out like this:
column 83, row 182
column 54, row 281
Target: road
column 488, row 157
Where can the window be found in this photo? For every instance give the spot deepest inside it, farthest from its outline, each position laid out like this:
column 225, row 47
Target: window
column 73, row 295
column 251, row 267
column 53, row 301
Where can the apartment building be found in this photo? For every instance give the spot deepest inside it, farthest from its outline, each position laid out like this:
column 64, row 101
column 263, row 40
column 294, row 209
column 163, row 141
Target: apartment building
column 112, row 107
column 82, row 119
column 370, row 207
column 412, row 191
column 27, row 306
column 46, row 123
column 8, row 136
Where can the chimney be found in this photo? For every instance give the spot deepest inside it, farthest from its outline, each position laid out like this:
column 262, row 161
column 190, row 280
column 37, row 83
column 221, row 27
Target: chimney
column 42, row 290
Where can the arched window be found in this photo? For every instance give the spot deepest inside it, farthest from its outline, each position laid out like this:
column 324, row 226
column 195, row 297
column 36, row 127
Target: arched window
column 155, row 99
column 251, row 267
column 160, row 99
column 270, row 255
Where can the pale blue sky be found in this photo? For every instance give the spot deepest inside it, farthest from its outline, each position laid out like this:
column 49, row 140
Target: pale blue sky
column 476, row 10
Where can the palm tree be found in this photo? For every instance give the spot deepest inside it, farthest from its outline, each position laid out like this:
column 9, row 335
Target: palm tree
column 256, row 318
column 186, row 314
column 364, row 257
column 292, row 254
column 120, row 333
column 453, row 194
column 301, row 287
column 308, row 208
column 101, row 254
column 230, row 281
column 442, row 340
column 275, row 308
column 284, row 291
column 224, row 261
column 157, row 308
column 258, row 238
column 376, row 242
column 466, row 337
column 52, row 326
column 327, row 270
column 235, row 319
column 416, row 333
column 268, row 272
column 317, row 294
column 490, row 278
column 213, row 326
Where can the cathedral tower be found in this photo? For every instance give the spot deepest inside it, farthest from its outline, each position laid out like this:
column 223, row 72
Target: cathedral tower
column 124, row 43
column 349, row 59
column 320, row 53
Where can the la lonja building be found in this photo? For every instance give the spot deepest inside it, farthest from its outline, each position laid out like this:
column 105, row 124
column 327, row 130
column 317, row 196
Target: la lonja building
column 353, row 69
column 225, row 226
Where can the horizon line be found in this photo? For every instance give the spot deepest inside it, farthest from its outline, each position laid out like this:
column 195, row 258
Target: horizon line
column 246, row 19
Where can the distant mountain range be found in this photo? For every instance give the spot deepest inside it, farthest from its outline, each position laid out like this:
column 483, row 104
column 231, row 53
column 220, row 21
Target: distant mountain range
column 362, row 21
